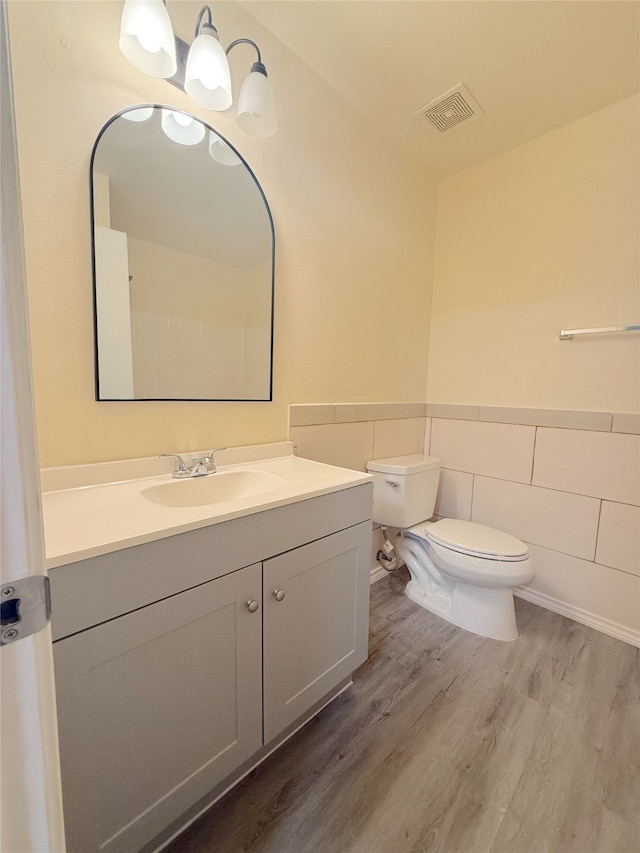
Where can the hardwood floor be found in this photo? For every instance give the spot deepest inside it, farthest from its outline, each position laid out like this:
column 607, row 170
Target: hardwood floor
column 450, row 742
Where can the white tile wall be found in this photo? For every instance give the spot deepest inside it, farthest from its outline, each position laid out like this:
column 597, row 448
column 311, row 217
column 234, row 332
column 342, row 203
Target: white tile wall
column 427, row 437
column 619, row 537
column 454, row 495
column 557, row 520
column 346, row 445
column 626, row 422
column 567, row 419
column 415, row 410
column 452, row 410
column 496, row 450
column 603, row 464
column 577, row 506
column 304, row 415
column 349, row 435
column 398, row 437
column 609, row 595
column 368, row 411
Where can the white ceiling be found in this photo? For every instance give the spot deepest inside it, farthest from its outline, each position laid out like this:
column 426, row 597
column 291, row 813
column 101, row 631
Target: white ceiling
column 532, row 65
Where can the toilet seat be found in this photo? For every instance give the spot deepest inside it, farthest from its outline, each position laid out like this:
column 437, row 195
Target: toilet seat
column 479, row 570
column 473, row 553
column 473, row 540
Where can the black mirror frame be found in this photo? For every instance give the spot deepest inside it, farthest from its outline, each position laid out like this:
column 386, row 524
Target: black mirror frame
column 100, row 399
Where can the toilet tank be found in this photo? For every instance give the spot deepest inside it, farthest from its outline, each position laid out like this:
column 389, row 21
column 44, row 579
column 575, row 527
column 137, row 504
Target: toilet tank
column 404, row 489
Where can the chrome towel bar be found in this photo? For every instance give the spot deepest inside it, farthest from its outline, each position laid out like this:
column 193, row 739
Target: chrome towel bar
column 567, row 334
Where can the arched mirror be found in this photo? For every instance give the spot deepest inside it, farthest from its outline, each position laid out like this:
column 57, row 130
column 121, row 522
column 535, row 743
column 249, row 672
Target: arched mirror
column 183, row 251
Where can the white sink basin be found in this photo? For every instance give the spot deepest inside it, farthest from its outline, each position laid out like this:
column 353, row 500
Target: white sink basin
column 213, row 489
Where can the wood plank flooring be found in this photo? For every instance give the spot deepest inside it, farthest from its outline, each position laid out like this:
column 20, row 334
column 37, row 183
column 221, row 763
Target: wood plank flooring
column 450, row 742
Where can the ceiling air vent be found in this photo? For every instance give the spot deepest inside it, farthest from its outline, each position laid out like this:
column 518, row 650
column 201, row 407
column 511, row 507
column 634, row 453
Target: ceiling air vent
column 455, row 108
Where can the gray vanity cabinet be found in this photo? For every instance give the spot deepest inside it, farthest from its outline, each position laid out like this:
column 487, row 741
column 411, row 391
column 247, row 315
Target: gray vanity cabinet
column 313, row 601
column 177, row 668
column 156, row 708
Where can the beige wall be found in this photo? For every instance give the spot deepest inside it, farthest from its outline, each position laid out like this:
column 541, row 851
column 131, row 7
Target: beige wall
column 354, row 236
column 538, row 239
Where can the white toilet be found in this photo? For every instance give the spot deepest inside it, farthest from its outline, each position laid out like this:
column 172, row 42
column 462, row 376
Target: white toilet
column 463, row 572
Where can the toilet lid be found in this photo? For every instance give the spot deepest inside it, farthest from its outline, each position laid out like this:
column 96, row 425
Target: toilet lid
column 471, row 538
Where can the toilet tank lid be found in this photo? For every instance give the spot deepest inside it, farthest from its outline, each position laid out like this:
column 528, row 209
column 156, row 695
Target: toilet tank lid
column 411, row 464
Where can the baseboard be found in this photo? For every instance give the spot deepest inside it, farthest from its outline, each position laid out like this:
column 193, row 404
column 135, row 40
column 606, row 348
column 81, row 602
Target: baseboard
column 377, row 573
column 607, row 626
column 585, row 617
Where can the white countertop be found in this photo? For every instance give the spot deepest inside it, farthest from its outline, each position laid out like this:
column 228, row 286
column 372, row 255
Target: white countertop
column 91, row 520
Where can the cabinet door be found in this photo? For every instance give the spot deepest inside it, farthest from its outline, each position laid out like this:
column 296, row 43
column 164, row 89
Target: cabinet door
column 155, row 708
column 317, row 634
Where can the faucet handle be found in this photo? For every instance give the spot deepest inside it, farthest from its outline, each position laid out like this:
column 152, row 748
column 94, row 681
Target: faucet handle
column 209, row 461
column 180, row 470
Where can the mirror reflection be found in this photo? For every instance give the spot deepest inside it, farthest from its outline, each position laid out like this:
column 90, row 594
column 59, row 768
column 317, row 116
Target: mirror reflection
column 183, row 263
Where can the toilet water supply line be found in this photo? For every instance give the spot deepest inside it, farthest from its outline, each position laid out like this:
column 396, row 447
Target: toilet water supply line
column 387, row 556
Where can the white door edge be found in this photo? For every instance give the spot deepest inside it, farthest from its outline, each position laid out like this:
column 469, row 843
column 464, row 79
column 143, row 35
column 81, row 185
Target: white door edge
column 31, row 799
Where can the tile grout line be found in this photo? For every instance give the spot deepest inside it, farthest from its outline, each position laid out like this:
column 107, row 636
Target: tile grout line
column 473, row 483
column 536, row 486
column 576, row 557
column 533, row 455
column 595, row 544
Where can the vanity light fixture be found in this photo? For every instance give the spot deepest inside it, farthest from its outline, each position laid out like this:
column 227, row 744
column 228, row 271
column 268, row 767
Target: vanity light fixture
column 221, row 152
column 146, row 37
column 201, row 69
column 141, row 114
column 207, row 79
column 182, row 128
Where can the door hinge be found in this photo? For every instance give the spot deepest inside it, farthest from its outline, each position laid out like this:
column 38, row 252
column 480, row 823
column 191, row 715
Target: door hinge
column 25, row 608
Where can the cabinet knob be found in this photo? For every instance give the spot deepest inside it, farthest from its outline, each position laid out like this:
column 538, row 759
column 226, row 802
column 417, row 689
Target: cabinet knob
column 278, row 594
column 252, row 605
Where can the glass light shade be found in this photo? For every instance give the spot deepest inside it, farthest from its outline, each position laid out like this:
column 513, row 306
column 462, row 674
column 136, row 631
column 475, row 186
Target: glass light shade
column 207, row 80
column 146, row 37
column 140, row 114
column 182, row 128
column 256, row 106
column 221, row 152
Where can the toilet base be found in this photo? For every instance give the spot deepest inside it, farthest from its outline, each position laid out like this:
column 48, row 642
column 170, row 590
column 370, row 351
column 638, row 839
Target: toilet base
column 482, row 610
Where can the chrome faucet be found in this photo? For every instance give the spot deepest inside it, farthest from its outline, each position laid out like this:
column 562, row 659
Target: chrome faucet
column 180, row 471
column 209, row 461
column 194, row 467
column 198, row 468
column 183, row 470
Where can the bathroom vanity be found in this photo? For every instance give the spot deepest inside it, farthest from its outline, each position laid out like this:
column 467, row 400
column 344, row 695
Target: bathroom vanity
column 185, row 654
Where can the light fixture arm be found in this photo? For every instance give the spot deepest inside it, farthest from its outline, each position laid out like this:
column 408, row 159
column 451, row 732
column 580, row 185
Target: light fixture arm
column 205, row 10
column 257, row 66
